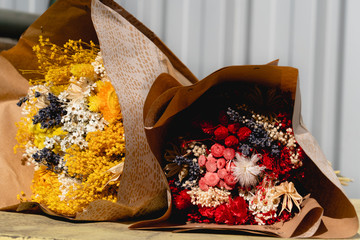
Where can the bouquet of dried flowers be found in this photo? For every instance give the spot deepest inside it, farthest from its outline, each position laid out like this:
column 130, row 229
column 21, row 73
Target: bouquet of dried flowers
column 237, row 162
column 72, row 131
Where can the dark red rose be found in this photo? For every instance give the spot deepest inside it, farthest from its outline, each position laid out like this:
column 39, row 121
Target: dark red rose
column 207, row 211
column 223, row 118
column 234, row 127
column 182, row 200
column 243, row 134
column 221, row 133
column 231, row 141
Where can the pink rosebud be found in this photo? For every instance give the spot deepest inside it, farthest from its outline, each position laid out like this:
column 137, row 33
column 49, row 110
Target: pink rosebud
column 217, row 150
column 210, row 157
column 230, row 180
column 202, row 184
column 231, row 141
column 222, row 173
column 244, row 134
column 221, row 133
column 227, row 187
column 234, row 127
column 220, row 163
column 211, row 179
column 211, row 166
column 229, row 166
column 202, row 160
column 229, row 154
column 221, row 184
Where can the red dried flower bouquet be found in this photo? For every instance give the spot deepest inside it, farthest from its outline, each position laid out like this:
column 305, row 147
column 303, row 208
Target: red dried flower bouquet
column 236, row 160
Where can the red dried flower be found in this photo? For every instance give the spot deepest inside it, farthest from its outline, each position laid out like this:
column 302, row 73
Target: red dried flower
column 221, row 133
column 243, row 134
column 207, row 127
column 223, row 215
column 217, row 150
column 231, row 141
column 182, row 200
column 234, row 127
column 223, row 118
column 238, row 208
column 207, row 212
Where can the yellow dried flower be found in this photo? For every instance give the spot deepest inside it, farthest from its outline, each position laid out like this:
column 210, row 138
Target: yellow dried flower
column 105, row 101
column 68, row 69
column 83, row 70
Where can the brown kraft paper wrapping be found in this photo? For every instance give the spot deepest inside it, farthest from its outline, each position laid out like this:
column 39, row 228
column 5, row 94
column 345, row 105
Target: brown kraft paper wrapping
column 327, row 213
column 140, row 58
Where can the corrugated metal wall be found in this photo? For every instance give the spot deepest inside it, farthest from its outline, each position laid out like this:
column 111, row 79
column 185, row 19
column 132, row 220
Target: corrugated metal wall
column 30, row 6
column 321, row 38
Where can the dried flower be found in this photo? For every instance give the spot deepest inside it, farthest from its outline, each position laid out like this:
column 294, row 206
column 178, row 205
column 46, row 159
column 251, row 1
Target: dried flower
column 217, row 150
column 246, row 171
column 290, row 194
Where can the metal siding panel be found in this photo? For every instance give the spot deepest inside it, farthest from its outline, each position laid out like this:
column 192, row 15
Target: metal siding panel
column 213, row 32
column 240, row 29
column 303, row 53
column 350, row 111
column 331, row 61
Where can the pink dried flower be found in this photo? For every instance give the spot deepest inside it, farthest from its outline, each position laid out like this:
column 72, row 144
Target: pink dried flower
column 217, row 150
column 229, row 154
column 230, row 180
column 211, row 179
column 202, row 184
column 220, row 163
column 202, row 160
column 222, row 173
column 211, row 166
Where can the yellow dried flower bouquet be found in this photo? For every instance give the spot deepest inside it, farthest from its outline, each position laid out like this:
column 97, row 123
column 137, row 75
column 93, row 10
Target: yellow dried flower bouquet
column 72, row 131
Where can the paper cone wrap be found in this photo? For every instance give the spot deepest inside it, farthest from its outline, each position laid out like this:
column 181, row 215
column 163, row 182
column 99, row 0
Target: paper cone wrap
column 327, row 213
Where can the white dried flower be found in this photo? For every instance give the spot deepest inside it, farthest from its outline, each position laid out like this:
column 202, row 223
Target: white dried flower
column 213, row 197
column 246, row 170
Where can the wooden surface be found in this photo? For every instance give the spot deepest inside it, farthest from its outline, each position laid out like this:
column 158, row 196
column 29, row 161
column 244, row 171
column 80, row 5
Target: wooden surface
column 30, row 226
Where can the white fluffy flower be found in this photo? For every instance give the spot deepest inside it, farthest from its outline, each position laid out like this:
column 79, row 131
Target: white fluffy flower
column 246, row 170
